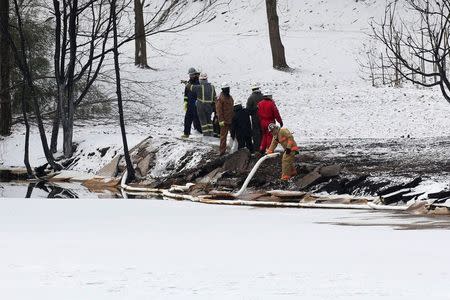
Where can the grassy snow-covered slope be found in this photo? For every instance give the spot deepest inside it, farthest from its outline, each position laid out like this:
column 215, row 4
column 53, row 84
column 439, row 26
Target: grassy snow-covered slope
column 323, row 98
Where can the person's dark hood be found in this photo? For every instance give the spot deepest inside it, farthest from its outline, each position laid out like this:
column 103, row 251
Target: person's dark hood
column 238, row 107
column 194, row 80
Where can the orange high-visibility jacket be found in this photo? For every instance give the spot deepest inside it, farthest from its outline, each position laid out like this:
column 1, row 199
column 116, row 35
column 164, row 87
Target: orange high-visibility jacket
column 285, row 138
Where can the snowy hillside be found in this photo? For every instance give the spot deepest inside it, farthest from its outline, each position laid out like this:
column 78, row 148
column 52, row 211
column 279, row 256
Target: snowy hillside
column 324, row 97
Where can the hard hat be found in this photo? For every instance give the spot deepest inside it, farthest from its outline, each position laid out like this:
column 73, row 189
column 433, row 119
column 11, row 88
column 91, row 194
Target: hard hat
column 225, row 85
column 255, row 86
column 203, row 76
column 267, row 93
column 192, row 71
column 272, row 126
column 237, row 102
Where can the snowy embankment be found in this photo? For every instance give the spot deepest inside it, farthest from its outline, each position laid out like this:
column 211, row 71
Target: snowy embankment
column 134, row 249
column 324, row 98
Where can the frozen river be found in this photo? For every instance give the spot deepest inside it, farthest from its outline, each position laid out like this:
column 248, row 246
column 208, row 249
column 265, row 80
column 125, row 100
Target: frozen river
column 156, row 249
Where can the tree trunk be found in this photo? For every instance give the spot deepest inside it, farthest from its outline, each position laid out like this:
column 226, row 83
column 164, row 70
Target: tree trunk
column 55, row 129
column 26, row 158
column 68, row 96
column 5, row 71
column 67, row 116
column 130, row 168
column 68, row 139
column 278, row 56
column 140, row 57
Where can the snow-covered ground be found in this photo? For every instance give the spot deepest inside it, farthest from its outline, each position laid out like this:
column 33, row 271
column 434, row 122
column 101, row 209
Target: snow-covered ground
column 137, row 249
column 323, row 98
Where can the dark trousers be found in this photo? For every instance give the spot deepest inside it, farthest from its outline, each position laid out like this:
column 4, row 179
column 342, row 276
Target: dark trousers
column 256, row 131
column 245, row 142
column 190, row 117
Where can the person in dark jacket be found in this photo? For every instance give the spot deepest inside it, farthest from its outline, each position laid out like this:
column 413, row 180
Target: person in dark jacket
column 190, row 107
column 252, row 108
column 241, row 128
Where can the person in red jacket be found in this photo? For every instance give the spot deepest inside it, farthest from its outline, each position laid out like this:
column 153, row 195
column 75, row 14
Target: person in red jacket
column 267, row 113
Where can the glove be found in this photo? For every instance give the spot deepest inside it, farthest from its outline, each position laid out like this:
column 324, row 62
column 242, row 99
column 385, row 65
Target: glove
column 185, row 106
column 184, row 81
column 281, row 124
column 221, row 124
column 288, row 151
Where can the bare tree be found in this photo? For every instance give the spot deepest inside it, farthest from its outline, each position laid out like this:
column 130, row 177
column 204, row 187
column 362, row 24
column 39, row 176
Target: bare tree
column 374, row 67
column 413, row 44
column 81, row 36
column 278, row 55
column 130, row 169
column 82, row 32
column 5, row 70
column 21, row 60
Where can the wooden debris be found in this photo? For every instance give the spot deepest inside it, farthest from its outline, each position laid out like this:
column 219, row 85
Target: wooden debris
column 309, row 179
column 394, row 197
column 110, row 169
column 287, row 194
column 438, row 195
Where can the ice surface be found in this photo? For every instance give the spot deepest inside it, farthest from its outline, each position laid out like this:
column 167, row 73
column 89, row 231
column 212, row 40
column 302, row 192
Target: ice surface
column 137, row 249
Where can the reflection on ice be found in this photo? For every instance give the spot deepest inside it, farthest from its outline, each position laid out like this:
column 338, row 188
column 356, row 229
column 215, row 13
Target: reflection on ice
column 60, row 190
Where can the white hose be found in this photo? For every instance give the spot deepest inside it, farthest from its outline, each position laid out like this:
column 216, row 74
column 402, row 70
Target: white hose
column 126, row 187
column 253, row 171
column 388, row 207
column 204, row 199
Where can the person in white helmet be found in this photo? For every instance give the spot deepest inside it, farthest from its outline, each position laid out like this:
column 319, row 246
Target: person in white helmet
column 252, row 108
column 224, row 111
column 267, row 113
column 206, row 98
column 284, row 137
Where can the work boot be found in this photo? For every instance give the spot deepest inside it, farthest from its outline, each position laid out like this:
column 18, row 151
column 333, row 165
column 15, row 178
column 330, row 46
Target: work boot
column 185, row 136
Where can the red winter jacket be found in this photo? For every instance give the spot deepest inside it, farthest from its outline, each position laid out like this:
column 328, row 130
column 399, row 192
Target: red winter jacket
column 268, row 111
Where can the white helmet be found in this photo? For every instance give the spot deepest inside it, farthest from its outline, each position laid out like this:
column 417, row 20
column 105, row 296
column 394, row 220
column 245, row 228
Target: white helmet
column 225, row 85
column 255, row 86
column 267, row 93
column 237, row 102
column 203, row 76
column 272, row 126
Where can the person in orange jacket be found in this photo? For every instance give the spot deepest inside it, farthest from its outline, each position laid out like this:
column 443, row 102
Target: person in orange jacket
column 284, row 137
column 267, row 113
column 224, row 111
